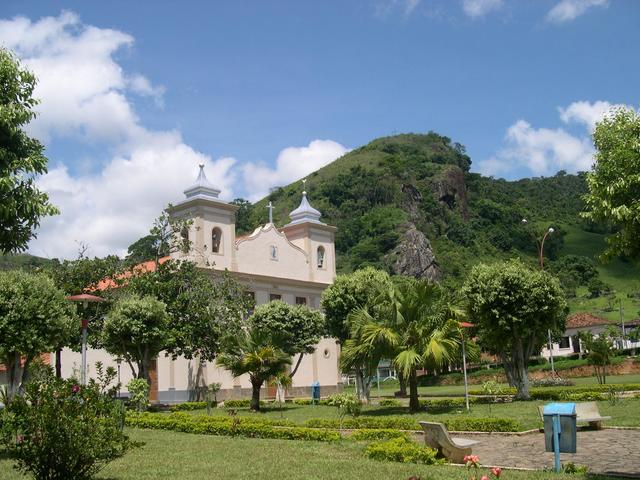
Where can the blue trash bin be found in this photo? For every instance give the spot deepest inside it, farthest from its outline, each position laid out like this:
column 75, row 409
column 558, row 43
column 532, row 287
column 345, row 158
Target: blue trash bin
column 560, row 429
column 315, row 392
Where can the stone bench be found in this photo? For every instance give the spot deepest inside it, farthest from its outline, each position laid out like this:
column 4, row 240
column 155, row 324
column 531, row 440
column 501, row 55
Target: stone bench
column 586, row 412
column 437, row 437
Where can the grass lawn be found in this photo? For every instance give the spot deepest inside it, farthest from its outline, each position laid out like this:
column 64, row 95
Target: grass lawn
column 183, row 456
column 625, row 413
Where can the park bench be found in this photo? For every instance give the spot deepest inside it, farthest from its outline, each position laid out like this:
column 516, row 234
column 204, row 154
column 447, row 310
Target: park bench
column 437, row 437
column 586, row 412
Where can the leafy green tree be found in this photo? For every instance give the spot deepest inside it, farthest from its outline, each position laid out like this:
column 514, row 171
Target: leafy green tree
column 35, row 318
column 295, row 329
column 244, row 223
column 614, row 183
column 254, row 353
column 200, row 308
column 146, row 248
column 600, row 351
column 513, row 307
column 348, row 293
column 137, row 330
column 415, row 326
column 21, row 158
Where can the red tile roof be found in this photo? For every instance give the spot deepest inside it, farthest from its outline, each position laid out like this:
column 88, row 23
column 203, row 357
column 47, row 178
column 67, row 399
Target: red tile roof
column 582, row 320
column 144, row 267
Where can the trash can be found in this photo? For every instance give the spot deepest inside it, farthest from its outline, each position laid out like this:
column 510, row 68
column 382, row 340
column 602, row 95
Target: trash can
column 315, row 392
column 563, row 415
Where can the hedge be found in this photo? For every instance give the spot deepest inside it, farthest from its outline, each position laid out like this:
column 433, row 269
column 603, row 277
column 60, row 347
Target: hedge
column 378, row 434
column 467, row 424
column 232, row 427
column 402, row 450
column 576, row 393
column 179, row 407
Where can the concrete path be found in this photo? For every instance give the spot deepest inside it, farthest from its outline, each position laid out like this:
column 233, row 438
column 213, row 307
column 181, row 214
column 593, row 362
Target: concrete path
column 603, row 451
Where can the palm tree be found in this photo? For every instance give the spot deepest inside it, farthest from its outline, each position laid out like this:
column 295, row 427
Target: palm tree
column 253, row 353
column 415, row 324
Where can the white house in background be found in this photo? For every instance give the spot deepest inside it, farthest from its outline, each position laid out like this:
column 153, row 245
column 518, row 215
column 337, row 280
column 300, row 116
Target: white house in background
column 582, row 322
column 294, row 263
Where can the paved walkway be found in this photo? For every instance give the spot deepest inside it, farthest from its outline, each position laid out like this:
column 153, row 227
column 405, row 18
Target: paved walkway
column 603, row 451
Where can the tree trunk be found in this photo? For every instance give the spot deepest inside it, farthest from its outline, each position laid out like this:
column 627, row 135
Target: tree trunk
column 295, row 369
column 362, row 386
column 59, row 362
column 414, row 404
column 14, row 375
column 256, row 385
column 403, row 385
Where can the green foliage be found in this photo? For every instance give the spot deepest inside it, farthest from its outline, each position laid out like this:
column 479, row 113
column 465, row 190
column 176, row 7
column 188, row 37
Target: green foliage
column 35, row 317
column 513, row 307
column 227, row 426
column 22, row 203
column 188, row 406
column 453, row 423
column 576, row 393
column 347, row 403
column 348, row 293
column 146, row 248
column 138, row 394
column 377, row 434
column 136, row 329
column 600, row 351
column 243, row 216
column 200, row 311
column 614, row 183
column 60, row 430
column 390, row 402
column 293, row 328
column 240, row 403
column 402, row 450
column 253, row 352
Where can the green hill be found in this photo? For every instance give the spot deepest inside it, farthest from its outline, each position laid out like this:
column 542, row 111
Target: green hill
column 414, row 193
column 24, row 261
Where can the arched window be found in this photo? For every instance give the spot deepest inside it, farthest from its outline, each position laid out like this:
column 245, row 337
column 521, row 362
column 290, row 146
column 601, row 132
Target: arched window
column 320, row 257
column 273, row 252
column 216, row 239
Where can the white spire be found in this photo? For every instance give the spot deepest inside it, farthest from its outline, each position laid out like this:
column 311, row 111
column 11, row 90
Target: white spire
column 305, row 212
column 202, row 188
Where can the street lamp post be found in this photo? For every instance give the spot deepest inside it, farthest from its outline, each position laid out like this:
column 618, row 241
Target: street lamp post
column 85, row 298
column 541, row 260
column 119, row 361
column 464, row 361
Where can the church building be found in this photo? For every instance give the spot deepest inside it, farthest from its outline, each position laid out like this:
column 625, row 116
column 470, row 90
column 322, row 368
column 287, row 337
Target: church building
column 293, row 263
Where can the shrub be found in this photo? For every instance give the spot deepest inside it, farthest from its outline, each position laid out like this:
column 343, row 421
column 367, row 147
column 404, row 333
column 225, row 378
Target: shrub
column 302, row 401
column 468, row 424
column 589, row 392
column 552, row 382
column 61, row 430
column 378, row 434
column 347, row 403
column 390, row 402
column 242, row 403
column 187, row 406
column 228, row 426
column 138, row 394
column 402, row 450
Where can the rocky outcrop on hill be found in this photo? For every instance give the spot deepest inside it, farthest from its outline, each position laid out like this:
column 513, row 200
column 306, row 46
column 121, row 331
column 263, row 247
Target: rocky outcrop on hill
column 414, row 256
column 450, row 189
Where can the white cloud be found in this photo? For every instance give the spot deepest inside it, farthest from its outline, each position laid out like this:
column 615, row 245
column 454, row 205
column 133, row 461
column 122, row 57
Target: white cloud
column 544, row 151
column 568, row 10
column 479, row 8
column 292, row 164
column 386, row 7
column 85, row 96
column 586, row 113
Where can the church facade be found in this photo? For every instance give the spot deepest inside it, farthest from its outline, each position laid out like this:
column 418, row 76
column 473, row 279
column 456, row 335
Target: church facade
column 293, row 263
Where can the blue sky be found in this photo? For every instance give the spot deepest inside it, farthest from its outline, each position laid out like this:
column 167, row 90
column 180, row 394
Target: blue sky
column 248, row 87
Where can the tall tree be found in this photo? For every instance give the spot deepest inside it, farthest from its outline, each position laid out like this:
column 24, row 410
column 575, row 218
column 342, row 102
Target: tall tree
column 243, row 215
column 295, row 329
column 253, row 352
column 35, row 318
column 348, row 293
column 200, row 308
column 415, row 325
column 614, row 183
column 513, row 307
column 137, row 330
column 21, row 158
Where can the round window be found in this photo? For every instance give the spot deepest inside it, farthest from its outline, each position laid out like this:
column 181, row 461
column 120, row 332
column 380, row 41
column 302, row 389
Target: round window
column 326, row 353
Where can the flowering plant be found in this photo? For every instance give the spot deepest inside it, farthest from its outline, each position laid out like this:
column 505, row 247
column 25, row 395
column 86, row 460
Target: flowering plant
column 473, row 462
